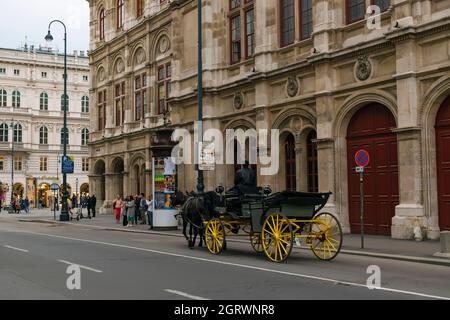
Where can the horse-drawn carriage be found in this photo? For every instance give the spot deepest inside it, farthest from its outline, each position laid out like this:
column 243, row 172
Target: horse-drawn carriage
column 274, row 223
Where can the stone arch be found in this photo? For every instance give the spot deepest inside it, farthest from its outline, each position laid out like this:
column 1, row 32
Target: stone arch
column 100, row 74
column 433, row 100
column 118, row 65
column 287, row 115
column 137, row 174
column 342, row 121
column 138, row 56
column 97, row 181
column 297, row 122
column 156, row 48
column 117, row 170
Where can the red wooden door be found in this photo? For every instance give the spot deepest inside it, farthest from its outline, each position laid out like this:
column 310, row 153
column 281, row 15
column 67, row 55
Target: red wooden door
column 443, row 163
column 370, row 129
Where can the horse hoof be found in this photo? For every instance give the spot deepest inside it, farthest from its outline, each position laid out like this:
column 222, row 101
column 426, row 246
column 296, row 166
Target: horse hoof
column 190, row 244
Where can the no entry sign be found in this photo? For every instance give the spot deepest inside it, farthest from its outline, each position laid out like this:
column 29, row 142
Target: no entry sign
column 362, row 158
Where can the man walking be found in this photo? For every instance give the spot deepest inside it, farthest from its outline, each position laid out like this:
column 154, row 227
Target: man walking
column 88, row 206
column 93, row 203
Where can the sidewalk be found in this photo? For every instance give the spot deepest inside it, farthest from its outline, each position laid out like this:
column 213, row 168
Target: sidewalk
column 375, row 246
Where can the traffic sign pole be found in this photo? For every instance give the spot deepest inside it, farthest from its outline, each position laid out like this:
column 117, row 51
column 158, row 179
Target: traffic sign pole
column 362, row 159
column 361, row 182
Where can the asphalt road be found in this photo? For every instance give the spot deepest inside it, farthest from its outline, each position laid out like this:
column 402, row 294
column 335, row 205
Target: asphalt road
column 34, row 259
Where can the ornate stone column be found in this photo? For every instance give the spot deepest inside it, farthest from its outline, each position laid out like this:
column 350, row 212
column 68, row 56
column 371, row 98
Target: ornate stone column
column 410, row 212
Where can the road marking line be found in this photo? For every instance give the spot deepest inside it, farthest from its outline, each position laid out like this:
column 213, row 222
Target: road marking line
column 186, row 295
column 79, row 265
column 241, row 266
column 17, row 249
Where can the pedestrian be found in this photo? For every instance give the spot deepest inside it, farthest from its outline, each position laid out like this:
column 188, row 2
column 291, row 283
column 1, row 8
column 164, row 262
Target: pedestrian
column 93, row 202
column 74, row 201
column 137, row 203
column 27, row 205
column 131, row 212
column 143, row 207
column 88, row 206
column 117, row 206
column 150, row 211
column 124, row 211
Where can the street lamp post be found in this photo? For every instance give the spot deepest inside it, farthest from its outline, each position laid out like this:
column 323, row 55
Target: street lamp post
column 64, row 211
column 200, row 180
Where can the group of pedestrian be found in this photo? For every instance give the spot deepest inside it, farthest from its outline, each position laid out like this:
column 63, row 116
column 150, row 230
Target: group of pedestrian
column 86, row 202
column 134, row 210
column 20, row 204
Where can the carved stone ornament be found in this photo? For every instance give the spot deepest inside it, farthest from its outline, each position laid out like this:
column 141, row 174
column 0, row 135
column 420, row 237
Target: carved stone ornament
column 120, row 66
column 140, row 56
column 292, row 87
column 164, row 44
column 101, row 75
column 238, row 100
column 363, row 68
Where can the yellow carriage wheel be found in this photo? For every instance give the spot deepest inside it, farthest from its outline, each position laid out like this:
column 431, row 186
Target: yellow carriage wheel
column 215, row 236
column 277, row 237
column 326, row 234
column 255, row 240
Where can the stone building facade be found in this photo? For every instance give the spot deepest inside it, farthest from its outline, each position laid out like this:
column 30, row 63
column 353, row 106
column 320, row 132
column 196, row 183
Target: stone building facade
column 31, row 122
column 329, row 74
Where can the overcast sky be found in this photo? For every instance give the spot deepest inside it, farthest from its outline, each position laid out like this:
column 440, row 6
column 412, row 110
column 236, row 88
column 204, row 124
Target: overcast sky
column 30, row 18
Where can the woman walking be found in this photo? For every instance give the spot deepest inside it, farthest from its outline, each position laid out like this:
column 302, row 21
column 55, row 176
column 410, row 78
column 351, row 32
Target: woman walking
column 117, row 205
column 131, row 214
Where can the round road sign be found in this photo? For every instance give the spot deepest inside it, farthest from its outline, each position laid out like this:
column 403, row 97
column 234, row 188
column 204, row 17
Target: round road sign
column 362, row 158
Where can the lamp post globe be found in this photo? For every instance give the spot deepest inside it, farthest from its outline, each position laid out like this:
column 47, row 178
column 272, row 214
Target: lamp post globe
column 64, row 211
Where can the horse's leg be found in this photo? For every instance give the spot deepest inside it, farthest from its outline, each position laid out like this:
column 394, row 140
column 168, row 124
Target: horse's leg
column 195, row 236
column 202, row 237
column 185, row 224
column 191, row 243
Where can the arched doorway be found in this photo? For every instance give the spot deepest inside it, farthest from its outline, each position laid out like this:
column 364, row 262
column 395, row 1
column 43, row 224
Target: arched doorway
column 290, row 163
column 371, row 129
column 99, row 181
column 18, row 190
column 118, row 169
column 443, row 163
column 44, row 194
column 84, row 189
column 313, row 164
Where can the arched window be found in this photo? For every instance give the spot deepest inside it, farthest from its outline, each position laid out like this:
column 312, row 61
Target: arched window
column 84, row 137
column 16, row 99
column 120, row 13
column 62, row 136
column 313, row 166
column 291, row 168
column 18, row 133
column 62, row 102
column 43, row 101
column 3, row 132
column 3, row 98
column 43, row 135
column 85, row 104
column 102, row 24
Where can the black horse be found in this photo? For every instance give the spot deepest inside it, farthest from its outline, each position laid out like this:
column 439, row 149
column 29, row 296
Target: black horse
column 196, row 209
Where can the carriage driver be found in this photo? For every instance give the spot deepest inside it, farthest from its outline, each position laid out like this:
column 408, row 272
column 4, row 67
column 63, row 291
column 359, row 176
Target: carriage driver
column 245, row 180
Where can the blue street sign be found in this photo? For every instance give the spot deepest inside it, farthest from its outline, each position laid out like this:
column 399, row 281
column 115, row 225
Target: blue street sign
column 68, row 165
